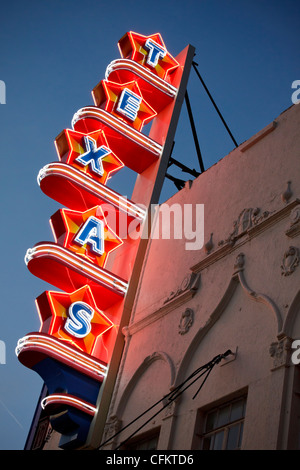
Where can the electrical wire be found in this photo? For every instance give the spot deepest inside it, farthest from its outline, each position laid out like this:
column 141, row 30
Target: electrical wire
column 172, row 396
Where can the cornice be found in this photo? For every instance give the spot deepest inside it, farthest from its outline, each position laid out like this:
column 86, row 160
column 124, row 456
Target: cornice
column 235, row 242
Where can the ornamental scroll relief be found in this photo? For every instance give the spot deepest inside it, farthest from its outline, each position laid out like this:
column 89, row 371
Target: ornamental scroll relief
column 247, row 219
column 280, row 351
column 290, row 261
column 189, row 284
column 294, row 226
column 186, row 321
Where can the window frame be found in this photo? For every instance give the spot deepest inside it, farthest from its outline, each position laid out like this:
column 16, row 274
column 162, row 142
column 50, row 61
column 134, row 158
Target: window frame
column 142, row 439
column 210, row 434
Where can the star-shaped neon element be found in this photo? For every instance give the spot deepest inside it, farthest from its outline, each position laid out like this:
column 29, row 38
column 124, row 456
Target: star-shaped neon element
column 85, row 233
column 55, row 311
column 114, row 100
column 90, row 154
column 149, row 51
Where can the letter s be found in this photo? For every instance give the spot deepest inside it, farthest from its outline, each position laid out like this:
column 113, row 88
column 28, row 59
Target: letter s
column 78, row 323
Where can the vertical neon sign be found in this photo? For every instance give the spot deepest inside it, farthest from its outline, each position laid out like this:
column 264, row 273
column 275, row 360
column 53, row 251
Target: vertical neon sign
column 97, row 265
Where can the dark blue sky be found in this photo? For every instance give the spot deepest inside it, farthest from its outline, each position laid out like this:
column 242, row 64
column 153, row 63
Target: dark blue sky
column 52, row 53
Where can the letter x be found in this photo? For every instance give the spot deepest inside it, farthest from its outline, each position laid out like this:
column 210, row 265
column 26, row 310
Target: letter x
column 93, row 155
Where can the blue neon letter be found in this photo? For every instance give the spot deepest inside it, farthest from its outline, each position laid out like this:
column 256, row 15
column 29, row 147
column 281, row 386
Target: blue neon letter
column 92, row 233
column 129, row 104
column 78, row 323
column 156, row 52
column 93, row 155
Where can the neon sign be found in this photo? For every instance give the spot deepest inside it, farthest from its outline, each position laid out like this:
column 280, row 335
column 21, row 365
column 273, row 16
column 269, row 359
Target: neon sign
column 89, row 153
column 86, row 233
column 74, row 318
column 93, row 156
column 149, row 51
column 91, row 260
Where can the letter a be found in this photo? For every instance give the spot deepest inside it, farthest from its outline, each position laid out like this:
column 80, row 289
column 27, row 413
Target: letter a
column 92, row 233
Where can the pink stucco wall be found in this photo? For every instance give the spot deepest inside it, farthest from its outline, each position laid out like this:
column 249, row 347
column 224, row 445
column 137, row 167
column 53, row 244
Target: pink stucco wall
column 242, row 290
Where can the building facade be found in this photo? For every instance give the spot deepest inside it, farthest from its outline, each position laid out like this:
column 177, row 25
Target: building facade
column 239, row 292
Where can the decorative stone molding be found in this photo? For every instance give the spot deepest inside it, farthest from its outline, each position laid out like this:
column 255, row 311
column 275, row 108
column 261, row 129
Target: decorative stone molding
column 157, row 356
column 112, row 426
column 185, row 291
column 138, row 375
column 294, row 228
column 170, row 409
column 295, row 215
column 280, row 351
column 291, row 317
column 247, row 219
column 189, row 284
column 125, row 332
column 259, row 136
column 237, row 279
column 287, row 194
column 209, row 245
column 239, row 263
column 186, row 321
column 257, row 296
column 290, row 261
column 250, row 224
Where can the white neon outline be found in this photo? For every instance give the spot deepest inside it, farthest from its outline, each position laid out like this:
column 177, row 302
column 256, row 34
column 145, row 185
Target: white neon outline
column 81, row 242
column 98, row 189
column 78, row 264
column 62, row 352
column 140, row 71
column 118, row 125
column 64, row 399
column 84, row 316
column 151, row 45
column 132, row 106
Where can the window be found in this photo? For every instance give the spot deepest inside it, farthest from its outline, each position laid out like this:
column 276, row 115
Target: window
column 224, row 426
column 147, row 442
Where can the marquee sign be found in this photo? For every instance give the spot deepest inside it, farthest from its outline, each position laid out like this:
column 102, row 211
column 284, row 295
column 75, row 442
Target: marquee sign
column 93, row 258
